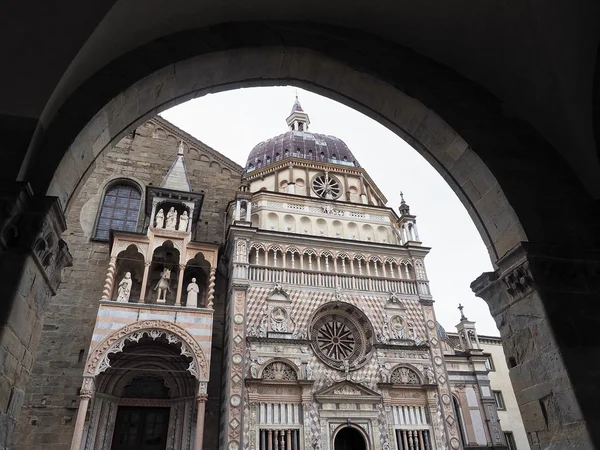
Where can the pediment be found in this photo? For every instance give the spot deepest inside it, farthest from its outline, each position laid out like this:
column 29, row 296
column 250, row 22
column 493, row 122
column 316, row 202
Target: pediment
column 347, row 391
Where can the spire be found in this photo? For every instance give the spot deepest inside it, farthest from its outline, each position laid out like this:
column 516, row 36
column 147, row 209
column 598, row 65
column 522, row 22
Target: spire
column 298, row 120
column 297, row 106
column 176, row 178
column 404, row 208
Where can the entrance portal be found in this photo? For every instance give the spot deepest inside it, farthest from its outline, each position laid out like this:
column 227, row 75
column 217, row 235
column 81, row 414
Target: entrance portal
column 349, row 438
column 141, row 428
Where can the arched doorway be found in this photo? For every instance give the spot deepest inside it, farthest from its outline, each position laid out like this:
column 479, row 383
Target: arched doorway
column 349, row 438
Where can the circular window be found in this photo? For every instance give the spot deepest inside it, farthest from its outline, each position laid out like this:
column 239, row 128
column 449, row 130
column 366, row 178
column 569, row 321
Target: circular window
column 341, row 336
column 326, row 186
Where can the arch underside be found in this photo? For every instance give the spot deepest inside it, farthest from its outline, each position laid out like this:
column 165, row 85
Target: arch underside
column 489, row 189
column 99, row 360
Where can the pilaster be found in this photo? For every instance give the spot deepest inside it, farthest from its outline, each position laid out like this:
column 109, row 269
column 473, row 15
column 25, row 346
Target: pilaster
column 32, row 256
column 545, row 301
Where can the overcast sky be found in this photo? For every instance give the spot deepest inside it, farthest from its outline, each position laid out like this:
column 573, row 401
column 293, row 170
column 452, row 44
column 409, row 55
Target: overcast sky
column 234, row 122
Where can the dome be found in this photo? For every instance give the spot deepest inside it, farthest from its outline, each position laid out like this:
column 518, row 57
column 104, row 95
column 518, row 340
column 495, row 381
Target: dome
column 299, row 143
column 303, row 145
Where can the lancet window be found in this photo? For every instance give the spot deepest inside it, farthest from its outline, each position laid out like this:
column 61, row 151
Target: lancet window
column 120, row 209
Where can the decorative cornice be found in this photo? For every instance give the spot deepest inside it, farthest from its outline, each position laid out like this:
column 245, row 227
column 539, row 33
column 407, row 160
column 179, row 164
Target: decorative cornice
column 182, row 135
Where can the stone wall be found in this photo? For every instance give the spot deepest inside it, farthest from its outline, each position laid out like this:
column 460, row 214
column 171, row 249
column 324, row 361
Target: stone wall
column 50, row 404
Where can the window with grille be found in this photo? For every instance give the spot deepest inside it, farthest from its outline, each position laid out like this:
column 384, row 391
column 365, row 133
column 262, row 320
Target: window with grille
column 499, row 400
column 413, row 440
column 510, row 440
column 119, row 211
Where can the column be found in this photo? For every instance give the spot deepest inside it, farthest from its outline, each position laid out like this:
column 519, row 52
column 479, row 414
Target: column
column 110, row 279
column 270, row 440
column 545, row 300
column 145, row 281
column 152, row 214
column 85, row 395
column 201, row 402
column 288, row 439
column 179, row 284
column 238, row 207
column 210, row 297
column 249, row 210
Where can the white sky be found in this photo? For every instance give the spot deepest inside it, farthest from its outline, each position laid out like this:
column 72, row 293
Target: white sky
column 234, row 122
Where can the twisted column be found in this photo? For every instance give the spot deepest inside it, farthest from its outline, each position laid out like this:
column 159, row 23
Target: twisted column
column 110, row 278
column 180, row 284
column 145, row 281
column 211, row 288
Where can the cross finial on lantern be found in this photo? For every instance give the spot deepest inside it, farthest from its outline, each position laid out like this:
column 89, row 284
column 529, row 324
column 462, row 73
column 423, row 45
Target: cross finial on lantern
column 402, row 196
column 462, row 315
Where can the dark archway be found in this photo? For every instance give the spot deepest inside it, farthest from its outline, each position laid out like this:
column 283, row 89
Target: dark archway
column 349, row 438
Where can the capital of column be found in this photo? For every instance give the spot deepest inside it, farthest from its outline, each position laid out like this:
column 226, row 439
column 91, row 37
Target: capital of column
column 201, row 398
column 88, row 387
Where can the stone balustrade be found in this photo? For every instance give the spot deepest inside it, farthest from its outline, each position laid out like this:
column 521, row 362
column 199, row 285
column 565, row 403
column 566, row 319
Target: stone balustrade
column 354, row 282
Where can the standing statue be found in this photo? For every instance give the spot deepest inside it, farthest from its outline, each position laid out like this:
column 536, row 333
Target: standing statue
column 124, row 288
column 160, row 219
column 192, row 293
column 430, row 375
column 309, row 372
column 183, row 221
column 253, row 369
column 171, row 219
column 163, row 286
column 383, row 373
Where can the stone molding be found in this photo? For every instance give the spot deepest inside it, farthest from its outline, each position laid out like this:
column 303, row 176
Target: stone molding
column 98, row 360
column 34, row 224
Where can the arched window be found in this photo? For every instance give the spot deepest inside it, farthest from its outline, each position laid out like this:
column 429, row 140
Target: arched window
column 120, row 209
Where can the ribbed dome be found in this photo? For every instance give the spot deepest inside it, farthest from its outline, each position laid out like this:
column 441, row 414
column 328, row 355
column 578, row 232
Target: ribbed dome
column 300, row 144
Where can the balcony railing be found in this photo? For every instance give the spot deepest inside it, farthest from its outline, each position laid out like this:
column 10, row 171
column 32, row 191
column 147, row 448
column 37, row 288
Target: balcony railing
column 268, row 274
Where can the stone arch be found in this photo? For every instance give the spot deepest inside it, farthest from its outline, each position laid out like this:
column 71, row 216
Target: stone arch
column 98, row 360
column 378, row 98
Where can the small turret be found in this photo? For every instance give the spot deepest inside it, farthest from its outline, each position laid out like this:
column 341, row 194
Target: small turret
column 298, row 120
column 243, row 203
column 408, row 224
column 467, row 334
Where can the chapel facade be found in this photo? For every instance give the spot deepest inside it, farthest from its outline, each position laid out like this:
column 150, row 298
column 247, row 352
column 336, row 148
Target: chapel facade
column 282, row 307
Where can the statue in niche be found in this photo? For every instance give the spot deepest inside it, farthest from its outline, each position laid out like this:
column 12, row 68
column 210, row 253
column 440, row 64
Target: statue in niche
column 160, row 219
column 183, row 221
column 253, row 369
column 192, row 293
column 171, row 219
column 309, row 372
column 383, row 373
column 430, row 375
column 163, row 285
column 124, row 290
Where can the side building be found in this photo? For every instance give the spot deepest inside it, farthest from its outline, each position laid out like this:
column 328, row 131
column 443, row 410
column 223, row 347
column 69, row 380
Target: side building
column 468, row 356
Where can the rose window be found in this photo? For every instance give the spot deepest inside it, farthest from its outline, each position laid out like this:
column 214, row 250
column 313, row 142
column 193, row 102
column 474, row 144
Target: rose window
column 335, row 340
column 326, row 186
column 341, row 336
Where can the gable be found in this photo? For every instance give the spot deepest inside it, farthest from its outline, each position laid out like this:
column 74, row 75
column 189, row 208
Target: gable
column 205, row 152
column 347, row 391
